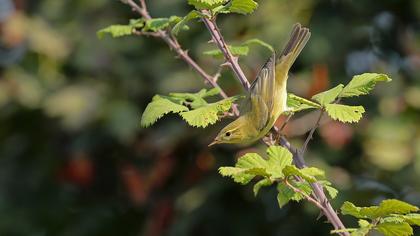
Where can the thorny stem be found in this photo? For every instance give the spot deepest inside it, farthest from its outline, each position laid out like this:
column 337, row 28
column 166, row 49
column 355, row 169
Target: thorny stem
column 318, row 194
column 174, row 45
column 221, row 43
column 311, row 133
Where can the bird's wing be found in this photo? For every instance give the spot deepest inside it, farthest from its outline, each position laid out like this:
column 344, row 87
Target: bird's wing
column 262, row 94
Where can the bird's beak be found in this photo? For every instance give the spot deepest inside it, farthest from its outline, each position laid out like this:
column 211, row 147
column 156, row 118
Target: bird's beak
column 213, row 143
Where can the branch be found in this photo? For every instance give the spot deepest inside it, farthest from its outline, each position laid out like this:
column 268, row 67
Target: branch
column 319, row 194
column 232, row 61
column 174, row 45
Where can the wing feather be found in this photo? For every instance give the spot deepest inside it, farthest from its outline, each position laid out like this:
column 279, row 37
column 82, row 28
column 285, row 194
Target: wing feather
column 262, row 93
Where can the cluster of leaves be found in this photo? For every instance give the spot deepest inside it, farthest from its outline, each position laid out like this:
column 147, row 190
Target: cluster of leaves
column 192, row 107
column 278, row 168
column 174, row 24
column 392, row 218
column 198, row 112
column 327, row 100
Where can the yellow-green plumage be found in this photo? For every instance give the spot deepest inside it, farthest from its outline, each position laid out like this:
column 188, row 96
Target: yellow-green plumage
column 268, row 96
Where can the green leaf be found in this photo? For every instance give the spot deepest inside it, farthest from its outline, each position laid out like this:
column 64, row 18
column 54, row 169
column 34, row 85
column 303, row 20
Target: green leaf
column 258, row 42
column 412, row 218
column 349, row 208
column 242, row 6
column 328, row 96
column 212, row 92
column 247, row 167
column 260, row 184
column 206, row 4
column 182, row 24
column 344, row 113
column 393, row 219
column 363, row 84
column 115, row 31
column 393, row 206
column 296, row 103
column 307, row 173
column 278, row 158
column 235, row 50
column 157, row 108
column 385, row 208
column 157, row 24
column 285, row 194
column 120, row 30
column 364, row 229
column 331, row 191
column 207, row 114
column 394, row 229
column 304, row 187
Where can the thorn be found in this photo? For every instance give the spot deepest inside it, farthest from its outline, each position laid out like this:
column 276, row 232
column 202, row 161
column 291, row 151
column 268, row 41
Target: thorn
column 226, row 64
column 320, row 215
column 210, row 41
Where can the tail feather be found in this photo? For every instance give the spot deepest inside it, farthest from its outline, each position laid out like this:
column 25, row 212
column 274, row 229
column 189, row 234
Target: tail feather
column 298, row 39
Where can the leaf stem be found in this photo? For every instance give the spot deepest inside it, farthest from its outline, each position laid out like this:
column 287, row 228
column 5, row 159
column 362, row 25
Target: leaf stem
column 306, row 196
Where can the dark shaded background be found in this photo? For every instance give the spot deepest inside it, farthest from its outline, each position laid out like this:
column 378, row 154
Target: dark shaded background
column 74, row 160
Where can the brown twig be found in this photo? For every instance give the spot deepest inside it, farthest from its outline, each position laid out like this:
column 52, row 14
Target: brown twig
column 174, row 45
column 231, row 60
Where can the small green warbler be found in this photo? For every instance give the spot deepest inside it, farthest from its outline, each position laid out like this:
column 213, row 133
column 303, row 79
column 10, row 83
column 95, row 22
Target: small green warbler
column 267, row 97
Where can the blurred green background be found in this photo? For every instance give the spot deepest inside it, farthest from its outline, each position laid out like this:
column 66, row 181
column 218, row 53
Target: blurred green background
column 74, row 160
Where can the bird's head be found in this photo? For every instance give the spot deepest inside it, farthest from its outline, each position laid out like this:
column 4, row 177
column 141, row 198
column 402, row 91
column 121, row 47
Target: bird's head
column 232, row 133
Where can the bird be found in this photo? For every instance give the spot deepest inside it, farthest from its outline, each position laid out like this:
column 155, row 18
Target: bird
column 267, row 95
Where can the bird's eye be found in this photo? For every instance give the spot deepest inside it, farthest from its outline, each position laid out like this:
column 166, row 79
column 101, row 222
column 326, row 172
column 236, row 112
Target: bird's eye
column 228, row 134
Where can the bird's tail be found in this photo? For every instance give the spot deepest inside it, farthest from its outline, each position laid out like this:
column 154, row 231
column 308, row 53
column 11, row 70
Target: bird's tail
column 298, row 39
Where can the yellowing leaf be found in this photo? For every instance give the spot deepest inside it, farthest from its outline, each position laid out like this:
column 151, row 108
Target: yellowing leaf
column 344, row 113
column 394, row 229
column 412, row 219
